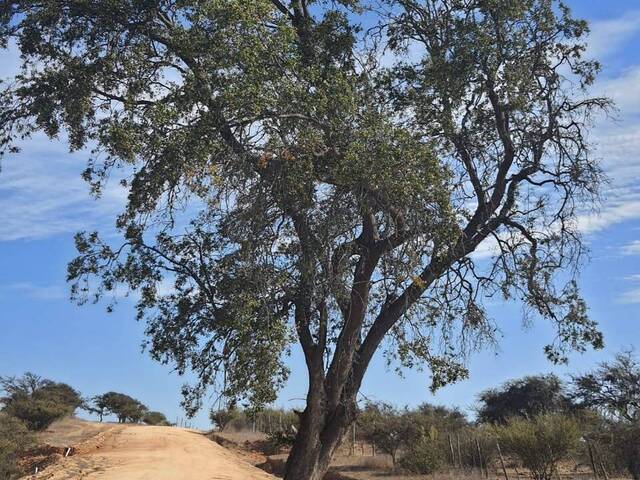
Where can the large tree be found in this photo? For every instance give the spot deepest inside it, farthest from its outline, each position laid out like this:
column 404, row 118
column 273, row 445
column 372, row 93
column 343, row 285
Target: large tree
column 320, row 173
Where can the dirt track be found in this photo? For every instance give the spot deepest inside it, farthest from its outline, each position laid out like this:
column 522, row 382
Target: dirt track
column 151, row 453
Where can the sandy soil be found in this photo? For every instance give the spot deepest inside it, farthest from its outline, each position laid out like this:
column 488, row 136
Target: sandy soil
column 151, row 453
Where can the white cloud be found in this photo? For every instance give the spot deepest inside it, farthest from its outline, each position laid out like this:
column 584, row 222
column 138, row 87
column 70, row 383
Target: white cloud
column 609, row 36
column 42, row 193
column 35, row 292
column 631, row 296
column 632, row 248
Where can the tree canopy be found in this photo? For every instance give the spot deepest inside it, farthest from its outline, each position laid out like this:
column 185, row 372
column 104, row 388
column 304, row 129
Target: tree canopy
column 37, row 401
column 126, row 408
column 612, row 389
column 334, row 174
column 525, row 398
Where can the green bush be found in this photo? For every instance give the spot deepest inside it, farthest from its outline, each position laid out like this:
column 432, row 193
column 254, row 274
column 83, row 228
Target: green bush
column 37, row 401
column 14, row 439
column 155, row 418
column 424, row 455
column 540, row 443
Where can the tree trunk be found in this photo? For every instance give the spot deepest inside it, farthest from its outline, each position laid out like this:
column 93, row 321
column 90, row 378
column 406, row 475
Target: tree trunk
column 317, row 440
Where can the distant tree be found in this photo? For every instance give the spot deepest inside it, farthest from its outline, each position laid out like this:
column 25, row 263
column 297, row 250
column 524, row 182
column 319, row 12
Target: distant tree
column 441, row 417
column 540, row 442
column 124, row 407
column 612, row 389
column 388, row 428
column 292, row 187
column 37, row 401
column 155, row 418
column 15, row 438
column 525, row 397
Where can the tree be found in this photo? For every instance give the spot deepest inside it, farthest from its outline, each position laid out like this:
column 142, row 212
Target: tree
column 388, row 429
column 155, row 418
column 122, row 406
column 540, row 442
column 36, row 401
column 525, row 397
column 291, row 188
column 612, row 389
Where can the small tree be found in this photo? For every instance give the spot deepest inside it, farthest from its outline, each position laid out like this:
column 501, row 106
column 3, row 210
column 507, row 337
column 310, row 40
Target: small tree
column 540, row 442
column 14, row 439
column 525, row 397
column 222, row 417
column 155, row 418
column 388, row 429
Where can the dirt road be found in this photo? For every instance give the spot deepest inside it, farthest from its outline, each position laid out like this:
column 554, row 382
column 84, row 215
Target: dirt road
column 151, row 453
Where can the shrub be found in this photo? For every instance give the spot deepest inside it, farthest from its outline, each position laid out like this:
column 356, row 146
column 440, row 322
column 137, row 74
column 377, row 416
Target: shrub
column 540, row 443
column 14, row 439
column 223, row 417
column 423, row 456
column 279, row 439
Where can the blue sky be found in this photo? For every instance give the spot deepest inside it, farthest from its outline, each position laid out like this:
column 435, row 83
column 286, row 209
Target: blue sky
column 43, row 202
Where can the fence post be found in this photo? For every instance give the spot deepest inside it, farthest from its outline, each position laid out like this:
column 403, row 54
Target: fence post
column 593, row 463
column 504, row 469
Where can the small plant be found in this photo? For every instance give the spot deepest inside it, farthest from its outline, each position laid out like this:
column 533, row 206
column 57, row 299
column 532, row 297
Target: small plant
column 279, row 439
column 540, row 443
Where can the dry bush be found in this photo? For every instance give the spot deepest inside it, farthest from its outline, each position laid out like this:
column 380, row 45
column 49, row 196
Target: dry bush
column 540, row 443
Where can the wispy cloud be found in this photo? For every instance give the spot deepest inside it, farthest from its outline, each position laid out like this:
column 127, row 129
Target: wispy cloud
column 632, row 295
column 34, row 292
column 609, row 36
column 632, row 248
column 42, row 194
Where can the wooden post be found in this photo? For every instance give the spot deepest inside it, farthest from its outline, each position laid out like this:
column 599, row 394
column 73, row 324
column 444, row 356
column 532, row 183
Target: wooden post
column 504, row 468
column 593, row 463
column 453, row 456
column 479, row 455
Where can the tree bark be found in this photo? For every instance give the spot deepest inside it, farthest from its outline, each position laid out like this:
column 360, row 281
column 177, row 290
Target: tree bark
column 317, row 440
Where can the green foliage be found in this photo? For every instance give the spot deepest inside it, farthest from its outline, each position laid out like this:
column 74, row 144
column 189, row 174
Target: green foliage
column 221, row 418
column 155, row 418
column 14, row 439
column 126, row 408
column 36, row 401
column 525, row 397
column 289, row 188
column 424, row 455
column 279, row 439
column 387, row 428
column 540, row 442
column 613, row 389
